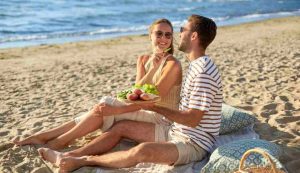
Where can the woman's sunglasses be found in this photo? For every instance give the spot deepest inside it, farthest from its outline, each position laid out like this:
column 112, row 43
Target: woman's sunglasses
column 160, row 34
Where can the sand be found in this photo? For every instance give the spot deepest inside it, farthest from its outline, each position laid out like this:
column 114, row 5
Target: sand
column 44, row 86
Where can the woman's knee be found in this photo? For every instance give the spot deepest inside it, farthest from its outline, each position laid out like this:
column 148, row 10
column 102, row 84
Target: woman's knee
column 119, row 127
column 95, row 111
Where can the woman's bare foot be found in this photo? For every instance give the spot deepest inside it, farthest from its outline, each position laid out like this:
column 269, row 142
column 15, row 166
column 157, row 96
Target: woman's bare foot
column 56, row 144
column 68, row 164
column 51, row 156
column 31, row 140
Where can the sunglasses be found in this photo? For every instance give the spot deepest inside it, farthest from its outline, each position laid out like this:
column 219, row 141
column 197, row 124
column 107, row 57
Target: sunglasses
column 182, row 29
column 160, row 34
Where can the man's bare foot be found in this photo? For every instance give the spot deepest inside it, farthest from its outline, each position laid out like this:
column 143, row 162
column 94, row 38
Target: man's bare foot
column 31, row 140
column 68, row 164
column 51, row 156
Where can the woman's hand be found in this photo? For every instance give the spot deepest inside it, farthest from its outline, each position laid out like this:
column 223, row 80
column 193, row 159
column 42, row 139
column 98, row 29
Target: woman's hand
column 157, row 59
column 147, row 106
column 103, row 109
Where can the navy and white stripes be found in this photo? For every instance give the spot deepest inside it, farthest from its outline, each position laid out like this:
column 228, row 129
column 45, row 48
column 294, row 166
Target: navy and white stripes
column 202, row 90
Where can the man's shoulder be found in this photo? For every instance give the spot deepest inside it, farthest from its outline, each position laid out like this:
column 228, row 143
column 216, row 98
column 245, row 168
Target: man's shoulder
column 201, row 61
column 202, row 65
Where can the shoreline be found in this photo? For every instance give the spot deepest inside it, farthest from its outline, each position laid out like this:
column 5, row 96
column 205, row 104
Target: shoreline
column 43, row 86
column 107, row 36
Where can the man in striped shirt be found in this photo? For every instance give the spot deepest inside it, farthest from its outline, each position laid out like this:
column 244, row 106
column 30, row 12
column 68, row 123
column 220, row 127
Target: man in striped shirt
column 198, row 122
column 195, row 126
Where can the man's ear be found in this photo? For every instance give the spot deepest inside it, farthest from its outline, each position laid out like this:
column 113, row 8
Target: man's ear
column 194, row 36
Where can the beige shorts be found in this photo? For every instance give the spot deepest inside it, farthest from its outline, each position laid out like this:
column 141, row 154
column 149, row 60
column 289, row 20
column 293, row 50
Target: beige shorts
column 187, row 149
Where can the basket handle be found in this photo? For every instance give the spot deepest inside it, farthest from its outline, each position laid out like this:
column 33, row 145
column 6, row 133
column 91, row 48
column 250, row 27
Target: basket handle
column 260, row 151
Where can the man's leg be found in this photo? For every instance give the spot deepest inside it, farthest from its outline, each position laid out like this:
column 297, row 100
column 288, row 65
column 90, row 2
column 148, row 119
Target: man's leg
column 163, row 153
column 138, row 131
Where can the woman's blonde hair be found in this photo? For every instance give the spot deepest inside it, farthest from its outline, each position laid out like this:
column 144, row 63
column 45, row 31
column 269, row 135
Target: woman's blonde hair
column 166, row 21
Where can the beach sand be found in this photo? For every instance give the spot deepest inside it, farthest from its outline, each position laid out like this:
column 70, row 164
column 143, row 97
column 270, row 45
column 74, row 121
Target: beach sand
column 44, row 86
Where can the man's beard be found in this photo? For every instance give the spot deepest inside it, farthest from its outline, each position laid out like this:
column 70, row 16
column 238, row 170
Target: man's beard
column 184, row 45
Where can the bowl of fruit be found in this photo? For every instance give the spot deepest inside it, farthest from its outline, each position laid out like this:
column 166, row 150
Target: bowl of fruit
column 139, row 94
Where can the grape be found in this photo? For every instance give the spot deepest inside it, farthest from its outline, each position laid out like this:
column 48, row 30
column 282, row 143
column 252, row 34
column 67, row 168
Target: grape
column 146, row 88
column 138, row 86
column 123, row 94
column 150, row 89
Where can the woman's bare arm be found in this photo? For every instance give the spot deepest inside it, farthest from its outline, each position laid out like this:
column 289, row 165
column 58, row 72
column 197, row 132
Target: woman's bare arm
column 171, row 75
column 140, row 68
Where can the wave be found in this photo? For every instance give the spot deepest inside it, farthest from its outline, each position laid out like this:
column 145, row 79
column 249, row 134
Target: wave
column 186, row 9
column 279, row 14
column 228, row 20
column 223, row 20
column 116, row 30
column 219, row 0
column 255, row 16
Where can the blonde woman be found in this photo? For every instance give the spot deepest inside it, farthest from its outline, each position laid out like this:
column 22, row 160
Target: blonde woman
column 160, row 69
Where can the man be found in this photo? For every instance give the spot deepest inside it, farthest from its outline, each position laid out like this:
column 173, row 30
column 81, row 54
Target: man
column 195, row 126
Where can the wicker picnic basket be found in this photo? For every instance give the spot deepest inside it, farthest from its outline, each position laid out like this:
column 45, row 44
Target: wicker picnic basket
column 269, row 169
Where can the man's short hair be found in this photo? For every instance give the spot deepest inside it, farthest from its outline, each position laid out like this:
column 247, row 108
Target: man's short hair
column 205, row 27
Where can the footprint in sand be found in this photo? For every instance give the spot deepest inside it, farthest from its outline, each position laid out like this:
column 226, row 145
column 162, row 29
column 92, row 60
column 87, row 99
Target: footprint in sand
column 287, row 119
column 289, row 106
column 4, row 147
column 4, row 133
column 268, row 110
column 35, row 130
column 37, row 124
column 270, row 106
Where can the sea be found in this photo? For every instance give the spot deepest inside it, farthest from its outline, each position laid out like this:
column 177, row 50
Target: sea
column 40, row 22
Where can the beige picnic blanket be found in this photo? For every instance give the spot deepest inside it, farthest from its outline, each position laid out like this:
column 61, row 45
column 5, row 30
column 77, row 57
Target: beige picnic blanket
column 194, row 167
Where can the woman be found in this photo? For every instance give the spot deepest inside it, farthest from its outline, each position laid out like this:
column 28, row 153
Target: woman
column 160, row 69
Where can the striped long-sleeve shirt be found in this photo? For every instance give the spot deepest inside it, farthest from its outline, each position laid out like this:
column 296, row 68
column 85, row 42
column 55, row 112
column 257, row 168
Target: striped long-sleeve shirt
column 202, row 90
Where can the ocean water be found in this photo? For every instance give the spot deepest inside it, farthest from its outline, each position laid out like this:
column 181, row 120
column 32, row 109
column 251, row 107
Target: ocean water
column 34, row 22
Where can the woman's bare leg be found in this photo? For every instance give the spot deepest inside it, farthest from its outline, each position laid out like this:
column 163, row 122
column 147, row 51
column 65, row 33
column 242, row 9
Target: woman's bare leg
column 44, row 137
column 90, row 123
column 59, row 137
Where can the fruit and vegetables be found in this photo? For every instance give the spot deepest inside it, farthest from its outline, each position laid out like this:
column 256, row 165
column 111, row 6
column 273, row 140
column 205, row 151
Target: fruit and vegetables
column 167, row 50
column 147, row 88
column 139, row 92
column 145, row 96
column 132, row 96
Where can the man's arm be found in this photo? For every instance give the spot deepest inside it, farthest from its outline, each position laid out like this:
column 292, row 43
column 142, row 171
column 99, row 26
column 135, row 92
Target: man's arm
column 190, row 117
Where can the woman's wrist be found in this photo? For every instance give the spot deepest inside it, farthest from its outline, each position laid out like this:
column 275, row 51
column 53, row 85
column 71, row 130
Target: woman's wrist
column 134, row 107
column 127, row 108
